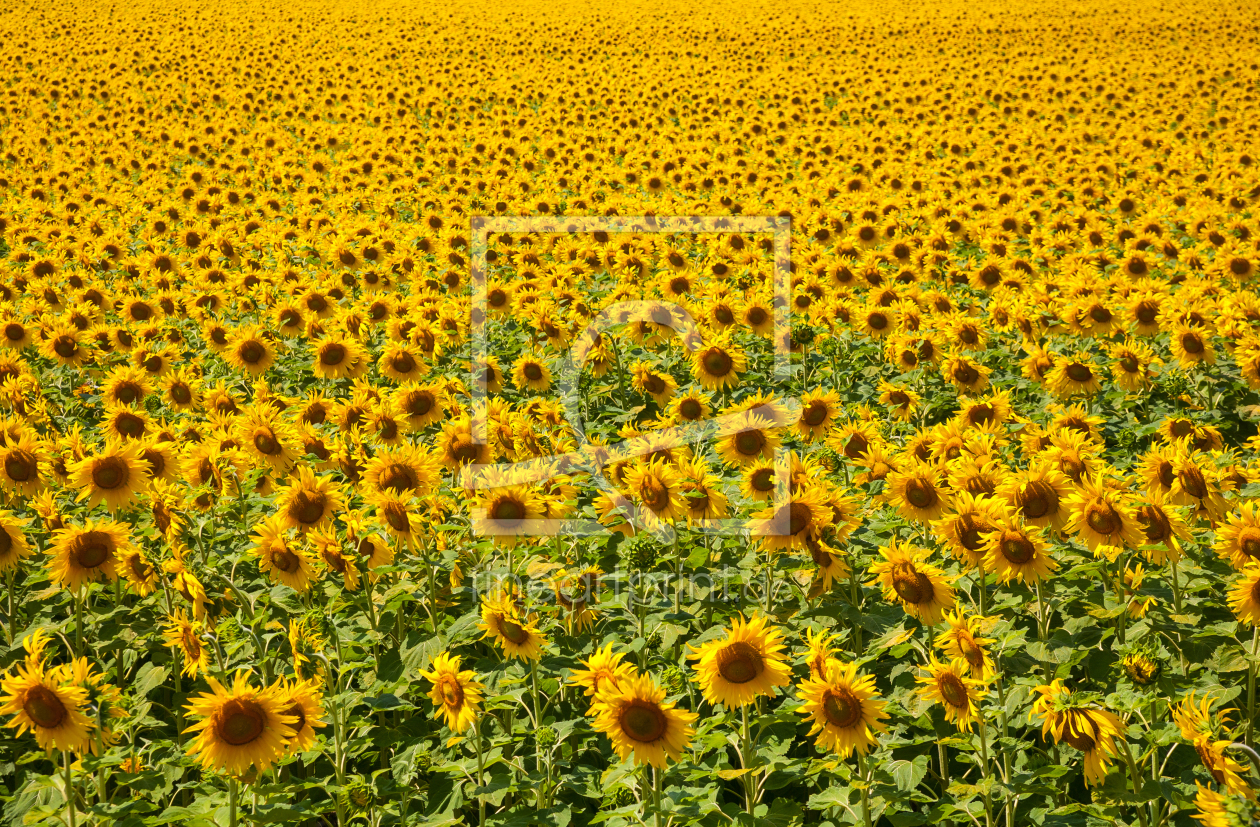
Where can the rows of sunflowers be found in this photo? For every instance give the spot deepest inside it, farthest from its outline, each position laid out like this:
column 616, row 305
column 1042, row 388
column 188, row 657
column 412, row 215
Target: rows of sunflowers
column 327, row 500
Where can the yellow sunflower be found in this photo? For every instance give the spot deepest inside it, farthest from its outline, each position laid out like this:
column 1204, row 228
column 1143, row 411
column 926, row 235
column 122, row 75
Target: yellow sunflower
column 302, row 701
column 604, row 670
column 517, row 636
column 308, row 501
column 923, row 590
column 239, row 727
column 1092, row 731
column 281, row 557
column 456, row 694
column 88, row 552
column 846, row 711
column 717, row 365
column 1017, row 551
column 1102, row 516
column 13, row 544
column 745, row 663
column 116, row 475
column 949, row 685
column 635, row 716
column 963, row 640
column 44, row 703
column 184, row 636
column 916, row 492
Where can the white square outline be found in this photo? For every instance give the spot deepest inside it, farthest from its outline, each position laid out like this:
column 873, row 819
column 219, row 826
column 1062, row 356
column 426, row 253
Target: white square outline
column 475, row 475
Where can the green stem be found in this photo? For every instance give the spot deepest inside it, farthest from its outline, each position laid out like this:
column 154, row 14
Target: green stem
column 78, row 621
column 538, row 712
column 748, row 758
column 11, row 616
column 1251, row 685
column 769, row 581
column 678, row 568
column 481, row 769
column 1134, row 778
column 1041, row 613
column 232, row 802
column 656, row 796
column 853, row 601
column 984, row 770
column 69, row 788
column 866, row 794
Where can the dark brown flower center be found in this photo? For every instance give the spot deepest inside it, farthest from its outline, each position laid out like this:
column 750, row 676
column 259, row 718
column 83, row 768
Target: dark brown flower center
column 43, row 707
column 717, row 362
column 251, row 352
column 1079, row 373
column 1017, row 549
column 110, row 473
column 842, row 708
column 740, row 662
column 953, row 690
column 308, row 506
column 643, row 721
column 332, row 354
column 921, row 493
column 1102, row 518
column 750, row 443
column 19, row 465
column 240, row 722
column 90, row 549
column 911, row 585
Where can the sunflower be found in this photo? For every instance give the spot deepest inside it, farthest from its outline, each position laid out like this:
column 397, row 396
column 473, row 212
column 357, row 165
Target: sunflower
column 691, row 406
column 517, row 636
column 949, row 685
column 1244, row 595
column 965, row 373
column 1196, row 483
column 757, row 316
column 309, row 501
column 116, row 475
column 658, row 486
column 753, row 440
column 1092, row 731
column 339, row 357
column 967, row 524
column 745, row 663
column 635, row 716
column 281, row 557
column 962, row 640
column 718, row 364
column 88, row 552
column 250, row 350
column 402, row 470
column 1131, row 366
column 923, row 590
column 604, row 672
column 420, row 405
column 1015, row 550
column 301, row 700
column 900, row 402
column 20, row 465
column 456, row 446
column 184, row 636
column 44, row 703
column 505, row 513
column 1102, row 516
column 456, row 694
column 806, row 515
column 1238, row 538
column 141, row 575
column 399, row 363
column 854, row 438
column 532, row 373
column 916, row 492
column 239, row 727
column 1074, row 376
column 658, row 385
column 267, row 438
column 66, row 345
column 13, row 543
column 845, row 710
column 1191, row 347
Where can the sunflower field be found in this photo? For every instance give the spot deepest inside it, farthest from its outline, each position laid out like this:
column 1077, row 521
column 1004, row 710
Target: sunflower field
column 553, row 413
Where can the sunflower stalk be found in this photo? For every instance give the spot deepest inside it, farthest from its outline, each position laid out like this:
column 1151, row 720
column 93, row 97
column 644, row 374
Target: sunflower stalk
column 481, row 772
column 983, row 731
column 70, row 817
column 10, row 617
column 233, row 801
column 1135, row 778
column 864, row 773
column 1251, row 685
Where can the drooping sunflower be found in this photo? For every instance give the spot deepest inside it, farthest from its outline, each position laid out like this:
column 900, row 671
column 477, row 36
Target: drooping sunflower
column 308, row 501
column 949, row 685
column 963, row 640
column 846, row 711
column 635, row 716
column 115, row 475
column 456, row 694
column 141, row 575
column 1015, row 550
column 1092, row 731
column 965, row 374
column 281, row 557
column 88, row 552
column 239, row 727
column 923, row 590
column 1102, row 516
column 184, row 636
column 916, row 492
column 747, row 662
column 516, row 635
